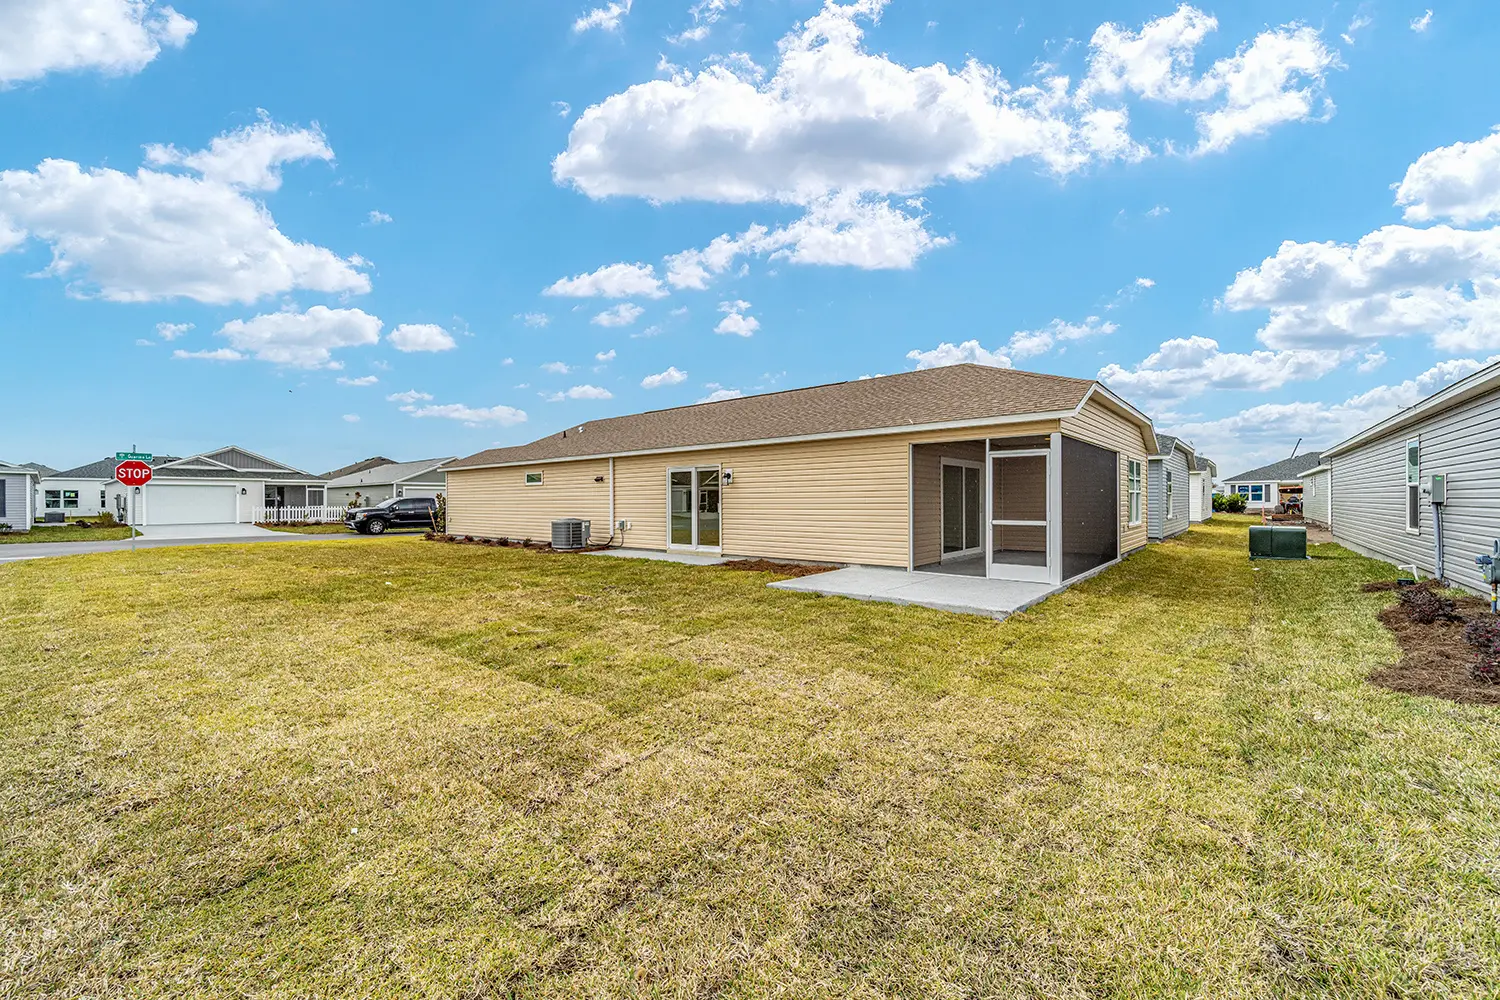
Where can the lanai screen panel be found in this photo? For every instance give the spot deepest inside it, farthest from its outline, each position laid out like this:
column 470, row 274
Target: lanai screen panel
column 1091, row 507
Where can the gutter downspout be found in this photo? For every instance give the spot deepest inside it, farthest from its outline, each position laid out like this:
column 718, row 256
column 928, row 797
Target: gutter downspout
column 612, row 501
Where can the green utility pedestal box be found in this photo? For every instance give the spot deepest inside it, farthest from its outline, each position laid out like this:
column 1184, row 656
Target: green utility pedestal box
column 1270, row 542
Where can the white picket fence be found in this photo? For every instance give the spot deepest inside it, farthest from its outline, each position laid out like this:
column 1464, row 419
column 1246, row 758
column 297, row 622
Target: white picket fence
column 288, row 515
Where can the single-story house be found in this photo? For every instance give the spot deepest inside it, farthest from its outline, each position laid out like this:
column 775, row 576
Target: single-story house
column 86, row 490
column 225, row 486
column 1201, row 490
column 1382, row 478
column 965, row 470
column 395, row 479
column 1170, row 473
column 17, row 496
column 1272, row 484
column 369, row 463
column 1317, row 494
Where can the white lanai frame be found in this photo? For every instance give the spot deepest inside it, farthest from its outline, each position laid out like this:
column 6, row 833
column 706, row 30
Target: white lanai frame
column 1051, row 571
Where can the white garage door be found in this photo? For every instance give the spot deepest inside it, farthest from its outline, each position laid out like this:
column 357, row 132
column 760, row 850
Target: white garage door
column 190, row 504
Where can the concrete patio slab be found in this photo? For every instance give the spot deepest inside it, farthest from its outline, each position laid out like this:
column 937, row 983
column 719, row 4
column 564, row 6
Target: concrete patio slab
column 686, row 558
column 942, row 592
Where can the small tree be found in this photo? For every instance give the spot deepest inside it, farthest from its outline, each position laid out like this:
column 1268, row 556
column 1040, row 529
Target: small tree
column 440, row 515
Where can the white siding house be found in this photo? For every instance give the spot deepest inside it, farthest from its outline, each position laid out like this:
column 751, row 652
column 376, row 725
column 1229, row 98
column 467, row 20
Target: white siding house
column 1381, row 477
column 1272, row 484
column 1201, row 490
column 17, row 496
column 1317, row 494
column 1169, row 488
column 398, row 479
column 226, row 486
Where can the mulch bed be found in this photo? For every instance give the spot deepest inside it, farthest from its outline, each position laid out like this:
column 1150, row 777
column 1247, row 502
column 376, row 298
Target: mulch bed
column 1435, row 658
column 779, row 568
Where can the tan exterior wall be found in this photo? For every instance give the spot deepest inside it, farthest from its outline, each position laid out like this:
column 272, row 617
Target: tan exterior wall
column 846, row 500
column 1100, row 425
column 927, row 493
column 497, row 503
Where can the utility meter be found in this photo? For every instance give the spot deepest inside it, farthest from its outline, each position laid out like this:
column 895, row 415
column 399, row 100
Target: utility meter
column 1437, row 489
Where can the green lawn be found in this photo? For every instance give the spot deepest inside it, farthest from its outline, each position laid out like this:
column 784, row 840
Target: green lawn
column 414, row 769
column 65, row 533
column 309, row 529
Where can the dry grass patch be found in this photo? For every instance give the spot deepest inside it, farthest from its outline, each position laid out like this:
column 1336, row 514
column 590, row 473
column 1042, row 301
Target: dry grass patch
column 409, row 769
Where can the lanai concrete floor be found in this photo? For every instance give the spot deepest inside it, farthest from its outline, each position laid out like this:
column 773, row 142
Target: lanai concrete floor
column 941, row 591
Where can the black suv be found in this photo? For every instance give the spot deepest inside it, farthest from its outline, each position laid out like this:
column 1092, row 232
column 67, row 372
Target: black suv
column 417, row 513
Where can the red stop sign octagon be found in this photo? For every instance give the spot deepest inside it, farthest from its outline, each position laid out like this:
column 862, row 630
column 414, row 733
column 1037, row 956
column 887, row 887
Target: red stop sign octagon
column 133, row 473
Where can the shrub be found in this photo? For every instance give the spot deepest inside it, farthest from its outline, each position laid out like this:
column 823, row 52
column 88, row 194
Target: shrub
column 106, row 520
column 1484, row 635
column 1229, row 503
column 1424, row 607
column 440, row 514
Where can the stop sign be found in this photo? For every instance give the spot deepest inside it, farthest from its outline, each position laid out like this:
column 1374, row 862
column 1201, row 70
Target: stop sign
column 133, row 473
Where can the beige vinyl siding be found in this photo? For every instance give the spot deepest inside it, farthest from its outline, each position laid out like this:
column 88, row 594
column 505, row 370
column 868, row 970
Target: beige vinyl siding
column 1100, row 425
column 927, row 494
column 497, row 503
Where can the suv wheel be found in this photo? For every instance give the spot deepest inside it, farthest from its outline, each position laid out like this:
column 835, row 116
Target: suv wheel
column 376, row 526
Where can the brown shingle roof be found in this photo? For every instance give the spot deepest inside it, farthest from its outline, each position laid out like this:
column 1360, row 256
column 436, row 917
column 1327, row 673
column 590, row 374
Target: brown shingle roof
column 931, row 396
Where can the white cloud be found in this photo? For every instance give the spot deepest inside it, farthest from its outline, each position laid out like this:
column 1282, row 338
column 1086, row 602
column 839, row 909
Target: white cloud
column 579, row 392
column 305, row 339
column 508, row 361
column 832, row 117
column 1372, row 361
column 361, row 381
column 421, row 337
column 1190, row 366
column 142, row 342
column 1421, row 24
column 1266, row 433
column 1157, row 211
column 1359, row 23
column 1155, row 62
column 171, row 331
column 613, row 281
column 535, row 320
column 505, row 416
column 650, row 331
column 1145, row 283
column 968, row 353
column 735, row 321
column 623, row 314
column 556, row 368
column 705, row 15
column 116, row 37
column 161, row 234
column 672, row 376
column 719, row 395
column 606, row 18
column 1460, row 182
column 563, row 108
column 351, row 418
column 409, row 397
column 379, row 218
column 1397, row 281
column 605, row 357
column 1027, row 343
column 221, row 354
column 249, row 158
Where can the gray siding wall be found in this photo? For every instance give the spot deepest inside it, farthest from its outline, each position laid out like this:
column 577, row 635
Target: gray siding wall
column 17, row 503
column 1315, row 497
column 1369, row 492
column 1158, row 525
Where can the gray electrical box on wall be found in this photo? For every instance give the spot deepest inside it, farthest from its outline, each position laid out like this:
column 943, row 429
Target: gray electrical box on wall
column 1437, row 489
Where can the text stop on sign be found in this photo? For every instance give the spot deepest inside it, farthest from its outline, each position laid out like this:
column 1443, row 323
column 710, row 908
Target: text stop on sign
column 133, row 473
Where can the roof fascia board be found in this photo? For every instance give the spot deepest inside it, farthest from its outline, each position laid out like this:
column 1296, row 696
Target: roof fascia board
column 1024, row 418
column 1147, row 428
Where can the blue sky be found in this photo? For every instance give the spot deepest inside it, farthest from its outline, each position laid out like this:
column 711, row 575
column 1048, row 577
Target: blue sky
column 324, row 231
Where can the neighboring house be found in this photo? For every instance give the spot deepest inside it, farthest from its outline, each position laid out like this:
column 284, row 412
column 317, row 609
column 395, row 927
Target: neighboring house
column 1201, row 490
column 86, row 490
column 228, row 485
column 42, row 471
column 17, row 496
column 1170, row 471
column 395, row 479
column 965, row 470
column 1380, row 504
column 349, row 470
column 1317, row 494
column 1269, row 485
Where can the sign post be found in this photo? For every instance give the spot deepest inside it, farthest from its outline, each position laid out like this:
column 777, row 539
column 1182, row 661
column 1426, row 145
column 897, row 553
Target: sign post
column 133, row 471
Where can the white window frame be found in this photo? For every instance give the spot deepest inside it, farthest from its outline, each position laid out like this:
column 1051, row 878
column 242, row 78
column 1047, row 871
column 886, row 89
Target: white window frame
column 1413, row 486
column 534, row 479
column 961, row 463
column 697, row 471
column 47, row 501
column 1168, row 481
column 322, row 496
column 1252, row 498
column 76, row 499
column 1133, row 488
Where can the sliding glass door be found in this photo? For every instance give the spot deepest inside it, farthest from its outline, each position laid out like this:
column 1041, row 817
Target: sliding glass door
column 962, row 511
column 693, row 518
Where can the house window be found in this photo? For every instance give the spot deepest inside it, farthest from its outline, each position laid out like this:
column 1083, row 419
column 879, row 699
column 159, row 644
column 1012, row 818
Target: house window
column 103, row 499
column 1257, row 493
column 315, row 496
column 1134, row 478
column 533, row 479
column 52, row 499
column 1414, row 485
column 1169, row 493
column 70, row 499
